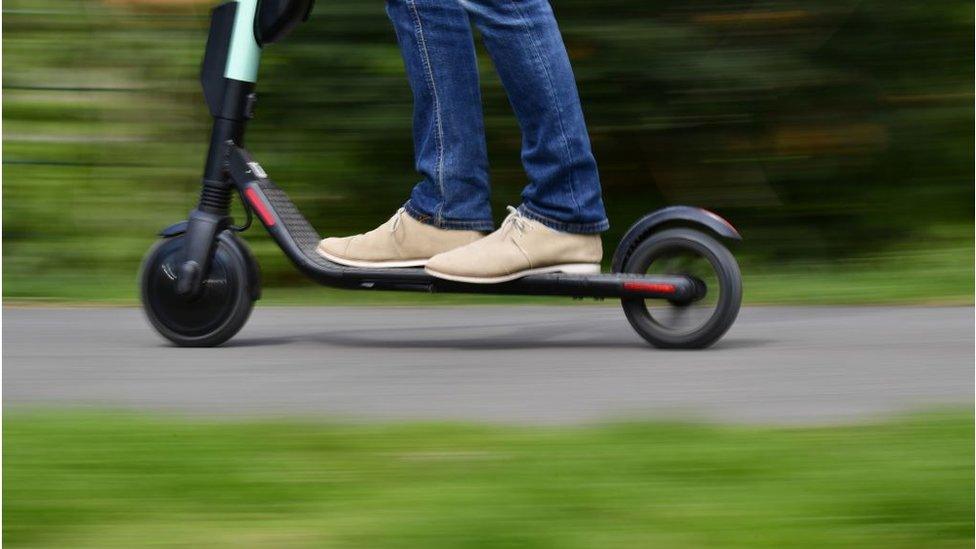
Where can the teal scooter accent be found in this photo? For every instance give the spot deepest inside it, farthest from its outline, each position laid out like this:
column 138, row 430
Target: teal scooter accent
column 244, row 54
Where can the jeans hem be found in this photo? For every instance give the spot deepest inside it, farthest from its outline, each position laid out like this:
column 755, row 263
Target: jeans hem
column 578, row 228
column 455, row 225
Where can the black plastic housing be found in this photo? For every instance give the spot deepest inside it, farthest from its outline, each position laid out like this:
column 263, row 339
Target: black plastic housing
column 215, row 57
column 277, row 18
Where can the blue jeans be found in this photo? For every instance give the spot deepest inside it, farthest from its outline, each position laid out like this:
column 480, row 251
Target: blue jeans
column 524, row 42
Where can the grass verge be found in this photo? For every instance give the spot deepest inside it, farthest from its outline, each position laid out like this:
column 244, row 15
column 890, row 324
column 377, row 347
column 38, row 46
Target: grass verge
column 122, row 480
column 936, row 275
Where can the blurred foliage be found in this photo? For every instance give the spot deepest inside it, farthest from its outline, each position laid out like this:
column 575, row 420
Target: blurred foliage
column 830, row 133
column 89, row 479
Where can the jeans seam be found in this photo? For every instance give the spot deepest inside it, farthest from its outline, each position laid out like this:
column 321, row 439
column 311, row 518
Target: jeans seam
column 552, row 97
column 580, row 228
column 440, row 222
column 428, row 69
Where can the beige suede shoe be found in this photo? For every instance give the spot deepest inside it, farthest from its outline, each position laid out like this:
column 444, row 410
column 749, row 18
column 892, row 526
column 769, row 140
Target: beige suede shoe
column 400, row 242
column 520, row 247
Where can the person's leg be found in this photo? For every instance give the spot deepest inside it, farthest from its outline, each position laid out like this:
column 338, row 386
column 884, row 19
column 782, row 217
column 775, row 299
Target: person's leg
column 555, row 229
column 523, row 39
column 436, row 41
column 449, row 207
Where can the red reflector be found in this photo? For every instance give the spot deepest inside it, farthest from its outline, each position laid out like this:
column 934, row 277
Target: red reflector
column 652, row 287
column 259, row 207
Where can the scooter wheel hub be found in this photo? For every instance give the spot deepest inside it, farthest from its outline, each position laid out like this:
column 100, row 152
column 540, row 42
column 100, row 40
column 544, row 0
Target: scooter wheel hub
column 211, row 316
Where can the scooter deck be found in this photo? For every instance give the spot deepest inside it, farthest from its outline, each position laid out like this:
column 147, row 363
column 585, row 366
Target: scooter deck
column 299, row 240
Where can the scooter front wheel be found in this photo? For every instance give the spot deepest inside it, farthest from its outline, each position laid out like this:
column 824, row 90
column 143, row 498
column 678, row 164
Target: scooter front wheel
column 223, row 305
column 685, row 325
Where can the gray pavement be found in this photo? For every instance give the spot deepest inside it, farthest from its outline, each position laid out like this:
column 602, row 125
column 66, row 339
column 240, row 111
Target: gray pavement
column 505, row 364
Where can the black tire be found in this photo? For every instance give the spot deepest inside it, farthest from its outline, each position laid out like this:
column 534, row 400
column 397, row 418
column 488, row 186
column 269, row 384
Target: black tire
column 717, row 318
column 218, row 313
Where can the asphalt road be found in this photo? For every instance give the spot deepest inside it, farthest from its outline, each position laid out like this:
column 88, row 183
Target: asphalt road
column 507, row 364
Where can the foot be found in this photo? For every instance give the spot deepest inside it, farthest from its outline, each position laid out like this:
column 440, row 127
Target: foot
column 520, row 247
column 400, row 242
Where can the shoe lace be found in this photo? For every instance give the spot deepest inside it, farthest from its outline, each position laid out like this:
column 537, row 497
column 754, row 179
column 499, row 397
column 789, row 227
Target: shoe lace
column 396, row 219
column 515, row 219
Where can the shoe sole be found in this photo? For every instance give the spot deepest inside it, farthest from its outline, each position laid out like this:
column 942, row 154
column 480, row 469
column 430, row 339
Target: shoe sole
column 371, row 264
column 567, row 268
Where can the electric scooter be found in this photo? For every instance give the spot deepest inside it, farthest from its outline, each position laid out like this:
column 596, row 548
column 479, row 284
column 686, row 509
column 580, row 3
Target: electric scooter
column 679, row 285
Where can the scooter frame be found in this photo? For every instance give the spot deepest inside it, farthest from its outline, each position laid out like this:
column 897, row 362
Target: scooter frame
column 228, row 77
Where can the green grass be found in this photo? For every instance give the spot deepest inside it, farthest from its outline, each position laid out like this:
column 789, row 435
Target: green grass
column 122, row 480
column 933, row 276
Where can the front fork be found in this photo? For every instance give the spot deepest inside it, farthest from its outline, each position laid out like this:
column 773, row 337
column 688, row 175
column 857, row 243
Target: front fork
column 212, row 214
column 228, row 74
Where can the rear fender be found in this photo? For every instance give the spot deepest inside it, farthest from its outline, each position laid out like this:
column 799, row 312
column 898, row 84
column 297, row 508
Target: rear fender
column 683, row 215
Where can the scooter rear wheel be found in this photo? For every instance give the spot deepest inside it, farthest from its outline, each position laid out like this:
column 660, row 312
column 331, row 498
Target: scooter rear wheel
column 694, row 325
column 206, row 320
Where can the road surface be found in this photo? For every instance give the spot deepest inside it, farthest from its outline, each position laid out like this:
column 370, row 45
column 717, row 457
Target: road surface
column 506, row 364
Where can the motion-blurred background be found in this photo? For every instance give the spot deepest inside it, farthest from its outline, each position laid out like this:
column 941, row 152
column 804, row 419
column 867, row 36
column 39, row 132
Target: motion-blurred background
column 836, row 135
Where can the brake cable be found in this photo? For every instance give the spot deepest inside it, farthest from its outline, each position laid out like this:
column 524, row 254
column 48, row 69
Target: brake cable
column 247, row 211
